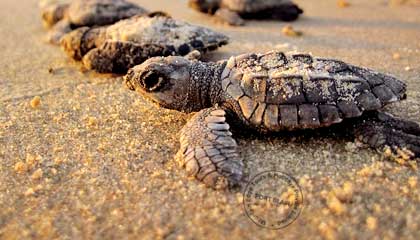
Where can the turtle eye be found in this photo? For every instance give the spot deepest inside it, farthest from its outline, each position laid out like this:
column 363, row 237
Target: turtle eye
column 152, row 81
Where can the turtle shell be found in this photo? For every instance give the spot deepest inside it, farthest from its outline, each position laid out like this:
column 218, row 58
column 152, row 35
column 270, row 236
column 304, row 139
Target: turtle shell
column 279, row 90
column 167, row 32
column 101, row 12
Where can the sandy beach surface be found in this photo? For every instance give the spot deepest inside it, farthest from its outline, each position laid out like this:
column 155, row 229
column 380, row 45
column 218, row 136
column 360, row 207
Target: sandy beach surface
column 96, row 161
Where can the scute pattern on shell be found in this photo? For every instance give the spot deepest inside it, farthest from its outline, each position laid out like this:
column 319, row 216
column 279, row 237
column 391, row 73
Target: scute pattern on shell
column 278, row 91
column 165, row 31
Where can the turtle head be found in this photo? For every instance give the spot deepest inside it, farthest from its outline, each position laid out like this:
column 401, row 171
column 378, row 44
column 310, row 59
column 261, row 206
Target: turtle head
column 52, row 12
column 206, row 6
column 164, row 80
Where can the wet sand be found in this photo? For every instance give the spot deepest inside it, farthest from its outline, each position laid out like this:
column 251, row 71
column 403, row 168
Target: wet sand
column 95, row 161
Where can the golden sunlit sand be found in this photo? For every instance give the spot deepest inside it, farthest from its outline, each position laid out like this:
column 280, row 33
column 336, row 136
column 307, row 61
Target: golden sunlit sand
column 82, row 157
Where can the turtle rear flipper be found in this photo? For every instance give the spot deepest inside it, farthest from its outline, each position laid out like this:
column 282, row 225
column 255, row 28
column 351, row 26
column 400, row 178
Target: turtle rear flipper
column 208, row 152
column 381, row 131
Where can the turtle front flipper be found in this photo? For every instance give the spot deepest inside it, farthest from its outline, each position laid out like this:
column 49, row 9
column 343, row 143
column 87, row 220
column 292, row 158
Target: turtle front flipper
column 381, row 131
column 80, row 41
column 208, row 152
column 229, row 17
column 60, row 29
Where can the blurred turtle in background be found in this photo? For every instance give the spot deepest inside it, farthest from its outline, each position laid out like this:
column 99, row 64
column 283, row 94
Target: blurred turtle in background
column 118, row 47
column 63, row 16
column 234, row 11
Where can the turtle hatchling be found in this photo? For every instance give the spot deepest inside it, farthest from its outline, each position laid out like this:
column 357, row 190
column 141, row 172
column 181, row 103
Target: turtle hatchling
column 64, row 15
column 234, row 11
column 270, row 92
column 129, row 42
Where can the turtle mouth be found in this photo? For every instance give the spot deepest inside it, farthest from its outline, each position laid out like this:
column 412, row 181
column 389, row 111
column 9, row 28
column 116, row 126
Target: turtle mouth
column 152, row 81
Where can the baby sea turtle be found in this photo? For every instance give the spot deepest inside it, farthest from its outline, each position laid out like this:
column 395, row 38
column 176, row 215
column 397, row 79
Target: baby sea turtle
column 64, row 15
column 129, row 42
column 270, row 92
column 233, row 11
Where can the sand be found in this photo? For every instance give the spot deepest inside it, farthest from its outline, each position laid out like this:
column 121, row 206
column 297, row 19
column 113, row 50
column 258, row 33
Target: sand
column 89, row 159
